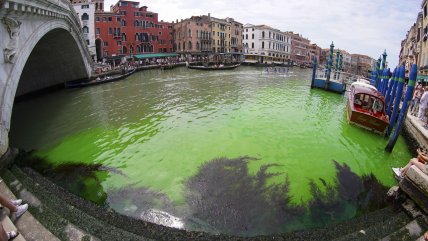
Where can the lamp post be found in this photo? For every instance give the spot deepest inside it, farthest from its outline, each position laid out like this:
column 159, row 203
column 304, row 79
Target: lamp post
column 337, row 64
column 340, row 65
column 329, row 63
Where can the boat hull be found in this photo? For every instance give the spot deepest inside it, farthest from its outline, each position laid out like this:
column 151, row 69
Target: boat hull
column 229, row 67
column 366, row 120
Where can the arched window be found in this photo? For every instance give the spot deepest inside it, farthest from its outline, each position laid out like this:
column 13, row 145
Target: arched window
column 190, row 45
column 124, row 50
column 197, row 45
column 85, row 16
column 190, row 33
column 85, row 29
column 137, row 37
column 123, row 37
column 179, row 46
column 184, row 46
column 263, row 45
column 136, row 23
column 263, row 34
column 252, row 45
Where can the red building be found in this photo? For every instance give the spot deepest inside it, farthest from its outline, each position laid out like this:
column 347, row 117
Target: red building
column 129, row 29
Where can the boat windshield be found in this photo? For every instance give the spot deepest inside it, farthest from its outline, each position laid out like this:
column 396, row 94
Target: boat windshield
column 369, row 103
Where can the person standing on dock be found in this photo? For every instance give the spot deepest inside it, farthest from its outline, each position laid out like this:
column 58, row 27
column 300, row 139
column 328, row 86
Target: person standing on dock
column 423, row 105
column 416, row 99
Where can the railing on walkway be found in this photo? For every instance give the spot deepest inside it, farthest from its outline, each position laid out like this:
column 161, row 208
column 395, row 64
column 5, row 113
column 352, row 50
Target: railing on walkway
column 338, row 76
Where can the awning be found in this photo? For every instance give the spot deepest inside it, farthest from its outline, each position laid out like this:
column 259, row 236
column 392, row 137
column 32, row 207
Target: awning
column 158, row 55
column 424, row 78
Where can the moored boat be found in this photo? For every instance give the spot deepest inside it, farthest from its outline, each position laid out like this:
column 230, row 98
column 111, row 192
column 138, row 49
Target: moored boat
column 98, row 81
column 366, row 108
column 214, row 67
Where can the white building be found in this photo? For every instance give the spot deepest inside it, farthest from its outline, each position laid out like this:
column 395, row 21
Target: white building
column 86, row 13
column 265, row 44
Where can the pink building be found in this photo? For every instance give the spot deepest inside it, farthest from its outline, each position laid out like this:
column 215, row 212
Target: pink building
column 192, row 35
column 299, row 49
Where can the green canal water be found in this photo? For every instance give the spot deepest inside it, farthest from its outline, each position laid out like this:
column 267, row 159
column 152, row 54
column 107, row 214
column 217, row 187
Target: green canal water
column 239, row 152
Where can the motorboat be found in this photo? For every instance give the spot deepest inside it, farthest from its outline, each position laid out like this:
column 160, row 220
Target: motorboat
column 366, row 108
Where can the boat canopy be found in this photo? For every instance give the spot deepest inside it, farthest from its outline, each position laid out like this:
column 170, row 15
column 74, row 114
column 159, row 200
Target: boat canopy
column 158, row 55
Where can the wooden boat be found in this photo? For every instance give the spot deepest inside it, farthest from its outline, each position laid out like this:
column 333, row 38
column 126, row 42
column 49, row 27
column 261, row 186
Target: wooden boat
column 366, row 108
column 224, row 67
column 106, row 79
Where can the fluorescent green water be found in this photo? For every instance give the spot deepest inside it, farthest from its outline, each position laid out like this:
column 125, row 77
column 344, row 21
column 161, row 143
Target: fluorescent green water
column 158, row 127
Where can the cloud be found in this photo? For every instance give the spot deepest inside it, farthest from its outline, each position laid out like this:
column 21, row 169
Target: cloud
column 363, row 26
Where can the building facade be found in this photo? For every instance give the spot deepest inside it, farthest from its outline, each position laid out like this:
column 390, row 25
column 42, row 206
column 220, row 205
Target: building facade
column 411, row 46
column 129, row 29
column 192, row 35
column 314, row 52
column 365, row 64
column 300, row 49
column 269, row 44
column 206, row 34
column 86, row 13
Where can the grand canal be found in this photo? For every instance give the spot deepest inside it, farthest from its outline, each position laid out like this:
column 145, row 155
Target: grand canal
column 239, row 152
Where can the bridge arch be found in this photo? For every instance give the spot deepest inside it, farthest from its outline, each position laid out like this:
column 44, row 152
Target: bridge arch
column 48, row 53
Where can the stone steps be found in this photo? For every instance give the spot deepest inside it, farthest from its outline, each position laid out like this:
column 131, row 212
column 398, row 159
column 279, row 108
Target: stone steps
column 72, row 218
column 411, row 231
column 9, row 226
column 27, row 225
column 64, row 220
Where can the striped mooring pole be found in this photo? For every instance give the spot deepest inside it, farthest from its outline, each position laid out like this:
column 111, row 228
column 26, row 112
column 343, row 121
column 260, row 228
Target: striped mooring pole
column 403, row 113
column 399, row 94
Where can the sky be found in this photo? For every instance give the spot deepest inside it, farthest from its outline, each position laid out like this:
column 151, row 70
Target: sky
column 358, row 26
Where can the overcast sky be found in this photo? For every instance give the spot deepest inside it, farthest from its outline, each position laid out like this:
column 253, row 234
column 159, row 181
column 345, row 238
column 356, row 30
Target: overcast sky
column 357, row 26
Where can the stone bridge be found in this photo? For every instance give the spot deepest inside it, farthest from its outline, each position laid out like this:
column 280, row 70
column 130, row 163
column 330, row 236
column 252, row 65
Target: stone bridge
column 41, row 45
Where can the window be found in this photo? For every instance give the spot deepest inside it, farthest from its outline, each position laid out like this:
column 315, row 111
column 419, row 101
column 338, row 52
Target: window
column 190, row 34
column 252, row 36
column 106, row 44
column 110, row 31
column 97, row 19
column 119, row 43
column 263, row 45
column 85, row 6
column 252, row 45
column 263, row 34
column 85, row 16
column 87, row 42
column 246, row 36
column 85, row 30
column 97, row 31
column 110, row 19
